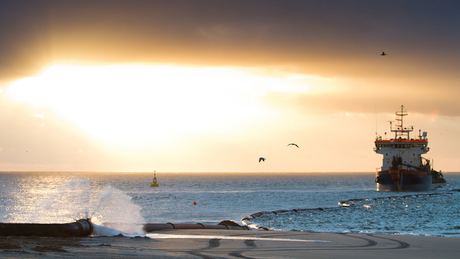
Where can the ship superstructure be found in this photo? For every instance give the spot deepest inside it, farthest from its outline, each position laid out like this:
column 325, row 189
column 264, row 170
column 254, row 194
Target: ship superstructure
column 404, row 168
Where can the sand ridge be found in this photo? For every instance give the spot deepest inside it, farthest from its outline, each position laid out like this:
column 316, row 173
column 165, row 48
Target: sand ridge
column 233, row 244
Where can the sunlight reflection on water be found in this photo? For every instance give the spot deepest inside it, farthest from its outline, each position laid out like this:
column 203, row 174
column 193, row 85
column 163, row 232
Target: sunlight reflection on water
column 127, row 197
column 51, row 199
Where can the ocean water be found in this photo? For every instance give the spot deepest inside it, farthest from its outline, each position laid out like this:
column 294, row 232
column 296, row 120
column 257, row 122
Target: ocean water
column 287, row 201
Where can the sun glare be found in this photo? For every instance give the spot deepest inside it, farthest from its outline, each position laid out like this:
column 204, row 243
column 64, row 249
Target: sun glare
column 126, row 103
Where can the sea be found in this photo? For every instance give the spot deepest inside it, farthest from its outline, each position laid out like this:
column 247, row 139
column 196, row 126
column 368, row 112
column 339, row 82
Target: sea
column 319, row 202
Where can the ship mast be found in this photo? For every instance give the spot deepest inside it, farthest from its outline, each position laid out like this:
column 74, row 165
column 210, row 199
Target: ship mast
column 400, row 131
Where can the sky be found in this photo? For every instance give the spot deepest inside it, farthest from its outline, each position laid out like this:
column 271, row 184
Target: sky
column 211, row 86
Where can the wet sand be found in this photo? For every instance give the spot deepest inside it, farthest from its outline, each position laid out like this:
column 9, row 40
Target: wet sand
column 233, row 244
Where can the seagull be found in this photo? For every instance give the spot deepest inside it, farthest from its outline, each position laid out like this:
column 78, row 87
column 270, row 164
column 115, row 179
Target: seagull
column 294, row 144
column 261, row 159
column 383, row 53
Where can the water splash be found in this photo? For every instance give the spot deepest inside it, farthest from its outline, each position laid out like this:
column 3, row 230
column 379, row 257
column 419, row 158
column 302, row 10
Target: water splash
column 73, row 200
column 116, row 208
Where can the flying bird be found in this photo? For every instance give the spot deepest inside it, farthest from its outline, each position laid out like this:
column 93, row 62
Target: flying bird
column 383, row 53
column 261, row 159
column 293, row 144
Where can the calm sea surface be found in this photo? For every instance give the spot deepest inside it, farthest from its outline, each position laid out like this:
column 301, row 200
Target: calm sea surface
column 59, row 197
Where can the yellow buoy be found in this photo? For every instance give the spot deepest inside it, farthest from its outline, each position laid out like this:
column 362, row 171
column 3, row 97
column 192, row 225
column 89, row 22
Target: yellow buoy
column 155, row 182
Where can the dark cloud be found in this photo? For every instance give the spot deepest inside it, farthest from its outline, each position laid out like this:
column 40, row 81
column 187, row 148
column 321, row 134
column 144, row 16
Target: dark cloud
column 333, row 38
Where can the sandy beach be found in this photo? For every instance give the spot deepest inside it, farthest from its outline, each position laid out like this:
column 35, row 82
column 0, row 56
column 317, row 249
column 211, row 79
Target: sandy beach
column 233, row 244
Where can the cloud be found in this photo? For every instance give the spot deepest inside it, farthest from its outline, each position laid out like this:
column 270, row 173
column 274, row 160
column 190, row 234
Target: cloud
column 318, row 37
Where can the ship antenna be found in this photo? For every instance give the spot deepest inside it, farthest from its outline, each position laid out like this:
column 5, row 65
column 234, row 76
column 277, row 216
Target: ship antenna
column 400, row 130
column 376, row 134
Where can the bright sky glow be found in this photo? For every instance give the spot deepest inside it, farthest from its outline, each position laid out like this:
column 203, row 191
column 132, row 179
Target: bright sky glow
column 133, row 103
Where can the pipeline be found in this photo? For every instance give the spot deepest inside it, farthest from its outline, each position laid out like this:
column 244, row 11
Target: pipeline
column 84, row 227
column 352, row 202
column 151, row 227
column 342, row 204
column 80, row 228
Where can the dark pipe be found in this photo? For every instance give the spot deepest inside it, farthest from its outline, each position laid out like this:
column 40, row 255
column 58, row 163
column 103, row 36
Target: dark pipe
column 80, row 228
column 186, row 226
column 151, row 227
column 214, row 227
column 238, row 228
column 230, row 224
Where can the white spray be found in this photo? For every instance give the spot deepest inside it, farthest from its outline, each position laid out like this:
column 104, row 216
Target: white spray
column 111, row 214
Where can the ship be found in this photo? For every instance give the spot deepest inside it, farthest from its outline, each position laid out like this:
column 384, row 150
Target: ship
column 404, row 168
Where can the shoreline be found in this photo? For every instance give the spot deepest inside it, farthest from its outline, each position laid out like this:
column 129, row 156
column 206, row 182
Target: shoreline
column 199, row 243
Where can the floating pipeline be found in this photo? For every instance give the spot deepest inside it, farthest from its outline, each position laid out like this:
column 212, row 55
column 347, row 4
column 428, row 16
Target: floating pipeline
column 342, row 204
column 247, row 220
column 352, row 202
column 152, row 227
column 80, row 228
